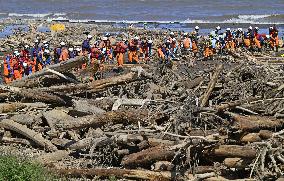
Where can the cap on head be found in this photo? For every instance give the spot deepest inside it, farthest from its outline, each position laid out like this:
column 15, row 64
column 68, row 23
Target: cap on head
column 136, row 38
column 250, row 28
column 228, row 29
column 172, row 33
column 196, row 27
column 71, row 49
column 62, row 43
column 26, row 46
column 46, row 51
column 218, row 28
column 89, row 36
column 150, row 41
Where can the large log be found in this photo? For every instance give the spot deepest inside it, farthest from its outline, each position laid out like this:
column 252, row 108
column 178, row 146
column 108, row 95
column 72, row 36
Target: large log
column 233, row 151
column 211, row 85
column 255, row 123
column 31, row 134
column 60, row 67
column 236, row 162
column 117, row 172
column 95, row 86
column 115, row 117
column 11, row 107
column 52, row 157
column 148, row 156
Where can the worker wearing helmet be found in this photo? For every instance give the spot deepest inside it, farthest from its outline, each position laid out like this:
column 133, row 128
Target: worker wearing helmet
column 64, row 53
column 256, row 39
column 86, row 47
column 247, row 38
column 133, row 50
column 274, row 40
column 229, row 41
column 8, row 69
column 17, row 66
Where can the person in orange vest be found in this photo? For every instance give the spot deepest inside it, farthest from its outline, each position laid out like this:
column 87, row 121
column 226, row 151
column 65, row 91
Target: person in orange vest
column 161, row 54
column 132, row 52
column 144, row 54
column 64, row 53
column 8, row 69
column 230, row 44
column 256, row 39
column 247, row 38
column 120, row 50
column 17, row 66
column 186, row 42
column 274, row 40
column 208, row 51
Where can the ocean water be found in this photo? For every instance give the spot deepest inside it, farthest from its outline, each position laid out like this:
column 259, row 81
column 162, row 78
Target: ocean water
column 184, row 11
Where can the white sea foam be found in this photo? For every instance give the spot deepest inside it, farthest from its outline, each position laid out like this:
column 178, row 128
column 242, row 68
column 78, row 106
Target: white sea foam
column 29, row 15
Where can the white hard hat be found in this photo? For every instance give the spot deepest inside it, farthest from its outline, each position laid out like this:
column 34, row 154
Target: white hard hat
column 150, row 41
column 62, row 43
column 228, row 29
column 185, row 34
column 70, row 49
column 172, row 33
column 36, row 41
column 270, row 27
column 197, row 27
column 89, row 36
column 104, row 38
column 240, row 29
column 256, row 28
column 267, row 36
column 250, row 28
column 218, row 28
column 26, row 46
column 136, row 38
column 46, row 45
column 25, row 64
column 44, row 42
column 174, row 39
column 168, row 41
column 46, row 51
column 78, row 49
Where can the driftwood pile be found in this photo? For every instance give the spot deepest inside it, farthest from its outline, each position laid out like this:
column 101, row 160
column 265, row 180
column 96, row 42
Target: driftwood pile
column 214, row 121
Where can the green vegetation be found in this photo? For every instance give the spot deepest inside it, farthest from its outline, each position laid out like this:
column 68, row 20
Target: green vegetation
column 14, row 169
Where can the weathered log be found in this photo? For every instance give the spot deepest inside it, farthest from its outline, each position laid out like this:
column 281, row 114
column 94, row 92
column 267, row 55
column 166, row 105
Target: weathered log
column 193, row 83
column 35, row 95
column 236, row 162
column 163, row 166
column 31, row 134
column 11, row 107
column 54, row 117
column 254, row 123
column 233, row 104
column 52, row 157
column 69, row 79
column 148, row 156
column 95, row 86
column 250, row 138
column 60, row 67
column 16, row 140
column 233, row 151
column 211, row 85
column 128, row 102
column 26, row 119
column 89, row 142
column 115, row 117
column 117, row 172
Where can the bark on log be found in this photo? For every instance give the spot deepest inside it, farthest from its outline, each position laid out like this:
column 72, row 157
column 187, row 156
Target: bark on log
column 115, row 117
column 234, row 151
column 60, row 67
column 254, row 123
column 233, row 104
column 193, row 83
column 250, row 138
column 236, row 162
column 128, row 102
column 211, row 85
column 89, row 142
column 11, row 107
column 117, row 172
column 52, row 157
column 148, row 156
column 95, row 86
column 31, row 134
